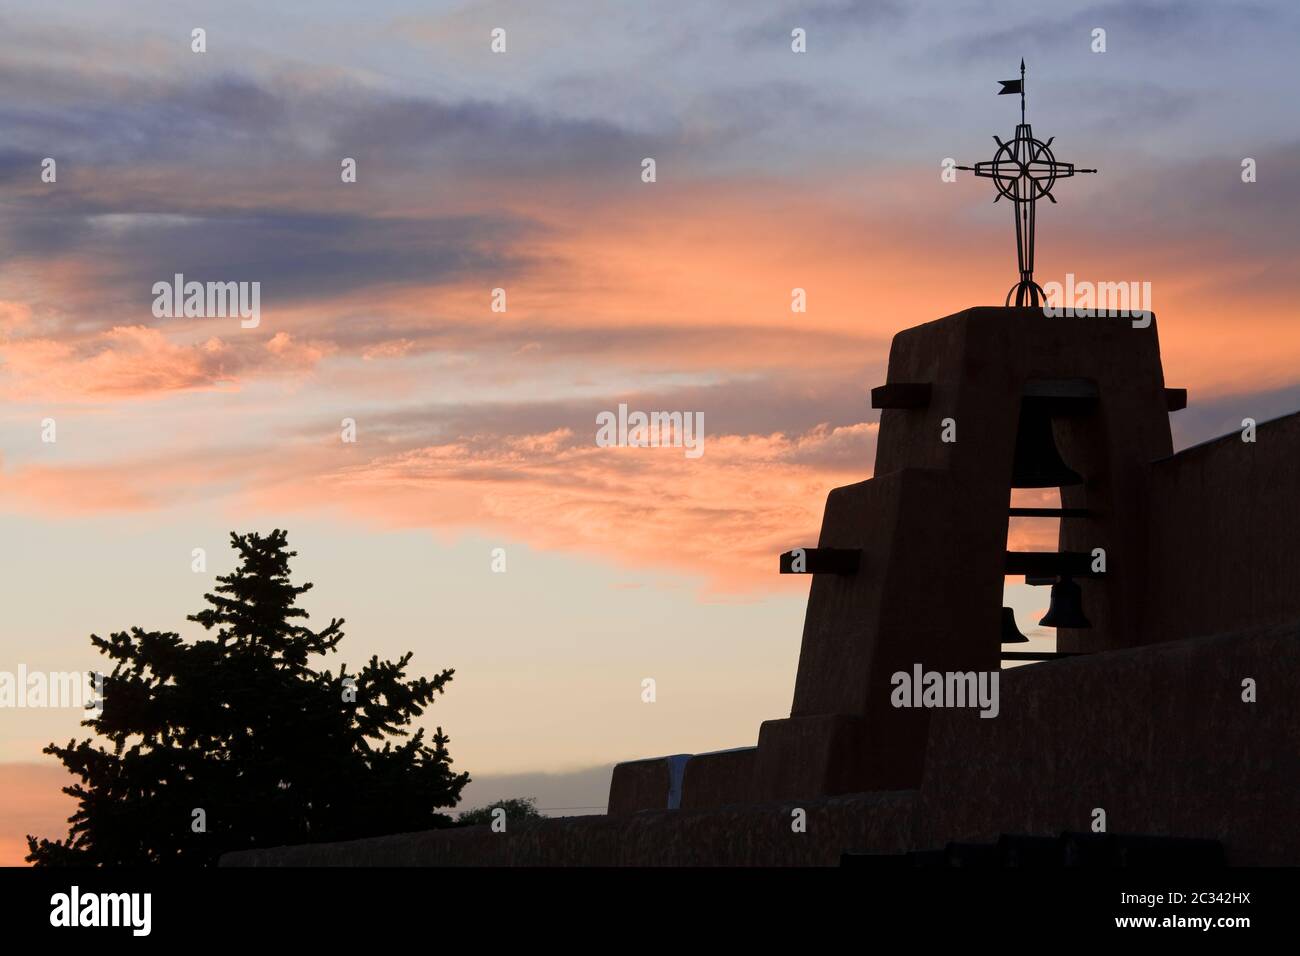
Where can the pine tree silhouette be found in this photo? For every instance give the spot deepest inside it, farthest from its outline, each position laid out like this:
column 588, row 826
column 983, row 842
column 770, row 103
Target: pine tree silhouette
column 240, row 727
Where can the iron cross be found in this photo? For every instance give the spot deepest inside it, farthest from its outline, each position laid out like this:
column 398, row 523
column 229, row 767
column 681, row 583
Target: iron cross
column 1024, row 171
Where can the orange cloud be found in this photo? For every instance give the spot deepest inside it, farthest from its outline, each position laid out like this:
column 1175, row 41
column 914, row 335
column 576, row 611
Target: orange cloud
column 724, row 516
column 691, row 279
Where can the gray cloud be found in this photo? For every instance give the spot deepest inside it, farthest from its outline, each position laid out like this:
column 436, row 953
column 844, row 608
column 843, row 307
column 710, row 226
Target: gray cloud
column 1150, row 25
column 828, row 22
column 1205, row 420
column 294, row 255
column 566, row 794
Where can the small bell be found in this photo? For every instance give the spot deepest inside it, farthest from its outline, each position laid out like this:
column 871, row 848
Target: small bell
column 1010, row 633
column 1066, row 608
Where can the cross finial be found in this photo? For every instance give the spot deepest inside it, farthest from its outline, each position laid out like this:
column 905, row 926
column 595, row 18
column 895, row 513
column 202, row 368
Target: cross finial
column 1024, row 171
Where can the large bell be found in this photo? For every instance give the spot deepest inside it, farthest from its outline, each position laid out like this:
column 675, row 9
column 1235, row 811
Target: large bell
column 1010, row 633
column 1066, row 608
column 1037, row 462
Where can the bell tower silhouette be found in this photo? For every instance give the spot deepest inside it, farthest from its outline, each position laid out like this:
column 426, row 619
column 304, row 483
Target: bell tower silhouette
column 910, row 565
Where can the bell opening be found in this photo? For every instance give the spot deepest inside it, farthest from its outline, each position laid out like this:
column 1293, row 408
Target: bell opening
column 1024, row 604
column 1037, row 462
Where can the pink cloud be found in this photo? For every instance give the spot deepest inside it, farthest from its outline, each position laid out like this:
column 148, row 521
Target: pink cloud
column 135, row 360
column 393, row 348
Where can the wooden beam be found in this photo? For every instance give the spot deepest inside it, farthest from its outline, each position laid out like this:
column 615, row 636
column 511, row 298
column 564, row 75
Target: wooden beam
column 901, row 395
column 823, row 561
column 1062, row 396
column 1075, row 564
column 1076, row 388
column 1175, row 399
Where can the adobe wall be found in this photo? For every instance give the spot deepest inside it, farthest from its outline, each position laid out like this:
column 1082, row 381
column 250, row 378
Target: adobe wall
column 757, row 834
column 637, row 784
column 1157, row 736
column 1224, row 527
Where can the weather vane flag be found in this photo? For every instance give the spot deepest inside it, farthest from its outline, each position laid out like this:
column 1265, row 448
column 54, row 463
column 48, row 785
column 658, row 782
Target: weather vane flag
column 1024, row 170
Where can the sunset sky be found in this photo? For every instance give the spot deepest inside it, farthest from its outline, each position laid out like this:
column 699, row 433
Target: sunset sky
column 475, row 429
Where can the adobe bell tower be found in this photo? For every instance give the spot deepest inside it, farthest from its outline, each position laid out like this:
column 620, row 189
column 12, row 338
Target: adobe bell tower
column 910, row 565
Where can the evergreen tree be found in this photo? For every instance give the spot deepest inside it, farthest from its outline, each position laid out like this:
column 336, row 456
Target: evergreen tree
column 240, row 727
column 516, row 808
